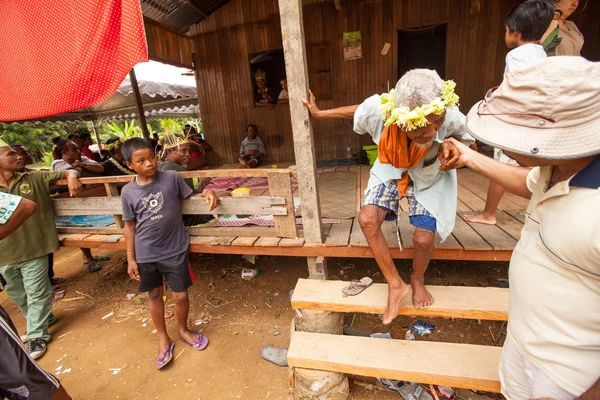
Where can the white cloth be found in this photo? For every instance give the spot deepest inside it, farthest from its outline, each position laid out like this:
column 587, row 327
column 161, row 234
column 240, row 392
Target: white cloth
column 8, row 205
column 523, row 55
column 554, row 274
column 434, row 189
column 62, row 165
column 284, row 95
column 521, row 379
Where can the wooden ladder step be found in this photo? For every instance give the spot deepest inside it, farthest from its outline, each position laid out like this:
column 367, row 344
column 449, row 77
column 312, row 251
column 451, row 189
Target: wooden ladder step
column 487, row 303
column 456, row 365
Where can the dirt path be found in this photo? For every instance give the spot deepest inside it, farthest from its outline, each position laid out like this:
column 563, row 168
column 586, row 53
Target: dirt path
column 239, row 318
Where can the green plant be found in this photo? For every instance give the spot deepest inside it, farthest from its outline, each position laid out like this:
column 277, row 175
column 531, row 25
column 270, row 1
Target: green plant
column 123, row 129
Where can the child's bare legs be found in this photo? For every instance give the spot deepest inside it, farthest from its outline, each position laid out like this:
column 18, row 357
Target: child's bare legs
column 488, row 216
column 182, row 309
column 157, row 312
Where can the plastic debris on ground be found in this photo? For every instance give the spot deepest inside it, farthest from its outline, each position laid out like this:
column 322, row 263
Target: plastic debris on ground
column 168, row 315
column 250, row 258
column 59, row 294
column 423, row 328
column 413, row 391
column 131, row 296
column 409, row 335
column 380, row 335
column 248, row 274
column 443, row 392
column 391, row 384
column 115, row 371
column 276, row 333
column 466, row 394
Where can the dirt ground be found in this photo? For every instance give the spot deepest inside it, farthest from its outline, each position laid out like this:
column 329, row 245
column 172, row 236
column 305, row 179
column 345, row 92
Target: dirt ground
column 113, row 357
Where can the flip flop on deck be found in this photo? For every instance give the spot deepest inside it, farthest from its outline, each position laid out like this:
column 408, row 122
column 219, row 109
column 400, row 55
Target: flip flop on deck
column 357, row 286
column 200, row 343
column 166, row 358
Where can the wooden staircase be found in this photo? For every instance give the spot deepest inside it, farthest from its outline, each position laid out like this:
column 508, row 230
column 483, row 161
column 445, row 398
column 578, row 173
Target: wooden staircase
column 457, row 365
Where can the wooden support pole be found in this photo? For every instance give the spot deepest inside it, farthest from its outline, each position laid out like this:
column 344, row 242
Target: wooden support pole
column 97, row 135
column 317, row 268
column 139, row 104
column 292, row 32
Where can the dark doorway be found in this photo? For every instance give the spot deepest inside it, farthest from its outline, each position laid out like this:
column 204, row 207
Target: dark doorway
column 422, row 48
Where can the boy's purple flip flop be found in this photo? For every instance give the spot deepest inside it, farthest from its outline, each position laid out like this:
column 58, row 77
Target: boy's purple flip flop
column 200, row 343
column 166, row 358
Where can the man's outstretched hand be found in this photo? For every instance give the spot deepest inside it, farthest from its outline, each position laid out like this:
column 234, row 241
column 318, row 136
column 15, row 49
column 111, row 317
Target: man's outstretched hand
column 453, row 154
column 211, row 198
column 311, row 104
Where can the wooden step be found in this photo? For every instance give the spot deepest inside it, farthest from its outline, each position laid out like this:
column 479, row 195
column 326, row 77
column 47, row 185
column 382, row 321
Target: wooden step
column 456, row 365
column 487, row 303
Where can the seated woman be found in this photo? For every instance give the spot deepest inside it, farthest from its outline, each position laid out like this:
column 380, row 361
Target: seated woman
column 115, row 165
column 252, row 150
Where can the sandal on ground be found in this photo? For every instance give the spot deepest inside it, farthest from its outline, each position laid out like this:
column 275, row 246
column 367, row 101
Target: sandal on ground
column 200, row 344
column 56, row 281
column 94, row 267
column 100, row 258
column 166, row 358
column 357, row 286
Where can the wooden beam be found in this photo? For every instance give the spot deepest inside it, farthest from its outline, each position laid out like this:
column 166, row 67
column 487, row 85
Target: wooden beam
column 487, row 303
column 317, row 268
column 113, row 191
column 316, row 250
column 292, row 33
column 212, row 173
column 139, row 104
column 281, row 185
column 451, row 364
column 260, row 205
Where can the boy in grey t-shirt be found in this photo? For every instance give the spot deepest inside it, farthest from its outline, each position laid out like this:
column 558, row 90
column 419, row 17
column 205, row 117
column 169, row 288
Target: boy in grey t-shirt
column 157, row 241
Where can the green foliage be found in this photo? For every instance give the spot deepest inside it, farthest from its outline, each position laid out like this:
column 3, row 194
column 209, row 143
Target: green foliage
column 36, row 137
column 123, row 129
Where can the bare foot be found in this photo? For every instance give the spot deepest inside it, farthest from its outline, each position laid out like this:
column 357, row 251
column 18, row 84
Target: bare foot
column 421, row 297
column 481, row 219
column 395, row 296
column 163, row 345
column 188, row 336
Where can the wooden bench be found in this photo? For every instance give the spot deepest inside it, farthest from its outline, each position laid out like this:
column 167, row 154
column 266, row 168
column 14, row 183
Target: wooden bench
column 487, row 303
column 457, row 365
column 280, row 203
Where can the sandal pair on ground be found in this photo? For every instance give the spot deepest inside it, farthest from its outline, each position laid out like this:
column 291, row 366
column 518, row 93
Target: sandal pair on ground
column 94, row 266
column 200, row 343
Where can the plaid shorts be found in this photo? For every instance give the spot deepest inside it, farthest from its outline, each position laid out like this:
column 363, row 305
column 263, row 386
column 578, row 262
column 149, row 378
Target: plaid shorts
column 387, row 198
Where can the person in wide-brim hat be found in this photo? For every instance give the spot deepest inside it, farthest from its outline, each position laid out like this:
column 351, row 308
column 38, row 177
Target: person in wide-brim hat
column 547, row 116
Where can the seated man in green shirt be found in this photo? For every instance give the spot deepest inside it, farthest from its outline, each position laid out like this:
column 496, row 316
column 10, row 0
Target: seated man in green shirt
column 24, row 262
column 176, row 154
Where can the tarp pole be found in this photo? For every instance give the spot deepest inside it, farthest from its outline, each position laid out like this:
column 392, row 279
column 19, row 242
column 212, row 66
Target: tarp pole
column 139, row 104
column 97, row 134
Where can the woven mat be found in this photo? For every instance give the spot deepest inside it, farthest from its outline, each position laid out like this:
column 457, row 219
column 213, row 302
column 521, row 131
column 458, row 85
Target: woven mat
column 337, row 194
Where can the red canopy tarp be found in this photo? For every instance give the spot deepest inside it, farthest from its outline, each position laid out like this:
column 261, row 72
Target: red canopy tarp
column 62, row 55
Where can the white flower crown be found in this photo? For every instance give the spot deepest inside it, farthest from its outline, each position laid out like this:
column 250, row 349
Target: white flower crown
column 408, row 119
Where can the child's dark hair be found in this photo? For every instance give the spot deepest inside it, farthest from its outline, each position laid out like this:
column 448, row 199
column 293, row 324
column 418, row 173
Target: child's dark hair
column 61, row 147
column 531, row 19
column 132, row 145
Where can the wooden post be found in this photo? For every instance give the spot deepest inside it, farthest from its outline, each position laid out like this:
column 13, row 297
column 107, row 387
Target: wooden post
column 280, row 185
column 113, row 191
column 139, row 104
column 97, row 134
column 292, row 32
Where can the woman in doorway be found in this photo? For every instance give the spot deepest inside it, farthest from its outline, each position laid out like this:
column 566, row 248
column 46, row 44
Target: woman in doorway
column 563, row 38
column 252, row 149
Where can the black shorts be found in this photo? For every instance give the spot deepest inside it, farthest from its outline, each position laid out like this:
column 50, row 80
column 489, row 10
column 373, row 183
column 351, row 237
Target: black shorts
column 20, row 376
column 174, row 270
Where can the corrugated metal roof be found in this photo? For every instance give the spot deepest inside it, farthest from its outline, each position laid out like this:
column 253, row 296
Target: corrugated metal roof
column 179, row 15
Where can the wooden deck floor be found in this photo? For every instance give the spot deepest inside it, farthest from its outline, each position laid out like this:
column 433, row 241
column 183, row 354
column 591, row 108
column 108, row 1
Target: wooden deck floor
column 467, row 242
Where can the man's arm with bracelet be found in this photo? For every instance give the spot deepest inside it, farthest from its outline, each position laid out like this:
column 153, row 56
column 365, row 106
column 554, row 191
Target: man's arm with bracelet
column 513, row 179
column 132, row 266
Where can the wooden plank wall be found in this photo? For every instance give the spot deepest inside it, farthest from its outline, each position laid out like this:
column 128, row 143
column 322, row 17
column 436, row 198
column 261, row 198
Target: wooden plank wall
column 167, row 47
column 475, row 55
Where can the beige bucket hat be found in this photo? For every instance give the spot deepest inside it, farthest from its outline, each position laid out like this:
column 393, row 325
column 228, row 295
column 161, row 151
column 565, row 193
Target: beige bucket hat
column 549, row 109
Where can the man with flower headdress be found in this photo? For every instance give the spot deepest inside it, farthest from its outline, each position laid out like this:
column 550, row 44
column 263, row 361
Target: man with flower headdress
column 264, row 96
column 409, row 124
column 115, row 165
column 176, row 155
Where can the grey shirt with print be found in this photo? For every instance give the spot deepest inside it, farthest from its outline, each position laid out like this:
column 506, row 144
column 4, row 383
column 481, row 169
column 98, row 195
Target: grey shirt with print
column 156, row 210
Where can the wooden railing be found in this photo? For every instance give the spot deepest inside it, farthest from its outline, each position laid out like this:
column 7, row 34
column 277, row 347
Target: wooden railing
column 280, row 204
